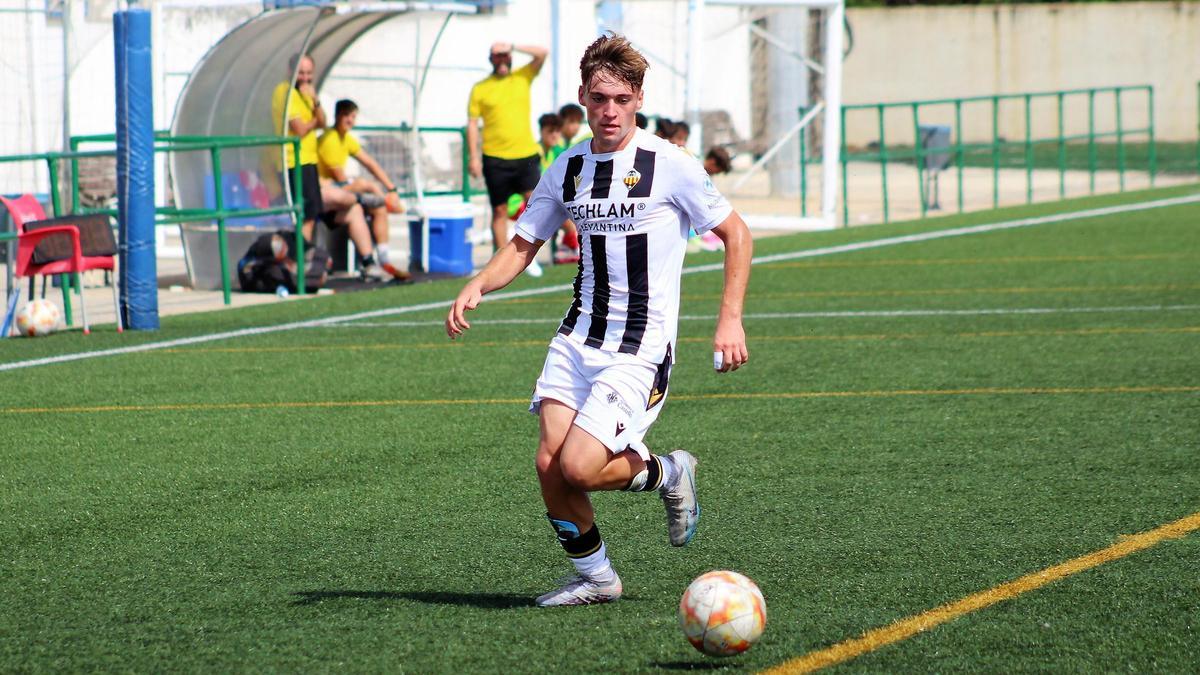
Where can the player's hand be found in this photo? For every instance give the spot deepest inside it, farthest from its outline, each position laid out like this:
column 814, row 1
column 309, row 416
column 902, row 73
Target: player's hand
column 475, row 167
column 456, row 320
column 308, row 90
column 729, row 346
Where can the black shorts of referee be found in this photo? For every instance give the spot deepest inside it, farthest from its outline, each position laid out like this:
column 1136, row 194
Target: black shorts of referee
column 310, row 188
column 507, row 177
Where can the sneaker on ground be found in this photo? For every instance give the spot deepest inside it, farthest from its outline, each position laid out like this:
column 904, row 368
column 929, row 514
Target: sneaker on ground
column 679, row 498
column 396, row 272
column 578, row 590
column 534, row 270
column 374, row 272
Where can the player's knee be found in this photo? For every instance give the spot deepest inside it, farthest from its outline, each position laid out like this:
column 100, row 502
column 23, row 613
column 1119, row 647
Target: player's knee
column 545, row 462
column 578, row 475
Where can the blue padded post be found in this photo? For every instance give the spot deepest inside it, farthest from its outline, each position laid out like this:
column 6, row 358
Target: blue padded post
column 135, row 169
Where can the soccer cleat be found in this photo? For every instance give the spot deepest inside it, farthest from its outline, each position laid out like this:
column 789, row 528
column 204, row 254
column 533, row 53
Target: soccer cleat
column 566, row 256
column 679, row 498
column 534, row 270
column 373, row 272
column 578, row 590
column 396, row 272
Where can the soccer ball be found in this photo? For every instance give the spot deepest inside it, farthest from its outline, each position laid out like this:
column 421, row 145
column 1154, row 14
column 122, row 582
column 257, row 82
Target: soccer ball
column 722, row 613
column 38, row 318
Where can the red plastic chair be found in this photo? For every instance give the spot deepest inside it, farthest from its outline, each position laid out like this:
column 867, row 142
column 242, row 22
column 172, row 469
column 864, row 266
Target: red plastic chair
column 56, row 255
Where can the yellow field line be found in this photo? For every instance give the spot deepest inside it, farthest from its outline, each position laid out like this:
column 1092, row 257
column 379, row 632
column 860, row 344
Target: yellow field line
column 462, row 344
column 283, row 405
column 906, row 628
column 1008, row 260
column 891, row 293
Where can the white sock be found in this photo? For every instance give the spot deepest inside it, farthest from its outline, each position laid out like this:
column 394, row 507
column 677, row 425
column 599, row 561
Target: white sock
column 596, row 566
column 381, row 251
column 669, row 470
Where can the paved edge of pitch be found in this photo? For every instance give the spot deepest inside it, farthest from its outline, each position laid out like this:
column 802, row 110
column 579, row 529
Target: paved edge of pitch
column 696, row 269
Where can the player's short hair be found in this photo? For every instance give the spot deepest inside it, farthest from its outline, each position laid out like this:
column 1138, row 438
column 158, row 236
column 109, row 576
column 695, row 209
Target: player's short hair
column 641, row 120
column 664, row 127
column 570, row 112
column 613, row 55
column 344, row 107
column 550, row 121
column 720, row 158
column 680, row 126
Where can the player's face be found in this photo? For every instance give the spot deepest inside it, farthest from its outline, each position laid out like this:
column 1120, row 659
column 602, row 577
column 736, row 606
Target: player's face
column 346, row 122
column 612, row 108
column 550, row 137
column 570, row 127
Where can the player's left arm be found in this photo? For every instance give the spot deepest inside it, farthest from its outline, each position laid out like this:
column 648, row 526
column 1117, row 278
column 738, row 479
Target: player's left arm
column 371, row 165
column 730, row 338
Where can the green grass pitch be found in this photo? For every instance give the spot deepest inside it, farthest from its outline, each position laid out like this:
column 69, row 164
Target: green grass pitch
column 361, row 497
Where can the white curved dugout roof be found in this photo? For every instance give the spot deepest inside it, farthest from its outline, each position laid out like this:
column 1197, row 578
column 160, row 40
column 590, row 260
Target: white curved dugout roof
column 229, row 92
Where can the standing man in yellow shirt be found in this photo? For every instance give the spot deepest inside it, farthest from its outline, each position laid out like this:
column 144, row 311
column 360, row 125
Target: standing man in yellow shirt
column 510, row 162
column 302, row 107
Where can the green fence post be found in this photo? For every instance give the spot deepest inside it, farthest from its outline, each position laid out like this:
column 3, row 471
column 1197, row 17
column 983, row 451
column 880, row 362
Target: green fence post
column 219, row 201
column 1062, row 152
column 74, row 146
column 1120, row 141
column 1028, row 149
column 466, row 164
column 995, row 151
column 1092, row 141
column 298, row 189
column 919, row 157
column 883, row 160
column 958, row 149
column 803, row 168
column 845, row 175
column 65, row 281
column 1153, row 159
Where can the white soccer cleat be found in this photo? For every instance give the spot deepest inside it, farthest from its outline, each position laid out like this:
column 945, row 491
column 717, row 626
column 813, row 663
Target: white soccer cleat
column 683, row 511
column 534, row 270
column 577, row 590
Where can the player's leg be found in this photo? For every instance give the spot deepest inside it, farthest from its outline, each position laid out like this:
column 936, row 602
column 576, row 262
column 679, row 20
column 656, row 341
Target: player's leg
column 571, row 513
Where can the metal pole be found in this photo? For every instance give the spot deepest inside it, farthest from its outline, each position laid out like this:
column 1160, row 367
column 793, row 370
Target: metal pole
column 1028, row 150
column 1092, row 141
column 919, row 157
column 1062, row 152
column 834, row 114
column 883, row 158
column 995, row 151
column 219, row 202
column 1120, row 141
column 695, row 74
column 1153, row 160
column 803, row 170
column 958, row 146
column 297, row 186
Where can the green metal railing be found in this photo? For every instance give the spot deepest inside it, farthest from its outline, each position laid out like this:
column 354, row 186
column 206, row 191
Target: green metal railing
column 999, row 151
column 170, row 215
column 465, row 186
column 53, row 162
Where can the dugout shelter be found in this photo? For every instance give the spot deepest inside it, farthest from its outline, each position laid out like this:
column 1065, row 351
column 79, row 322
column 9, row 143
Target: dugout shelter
column 229, row 94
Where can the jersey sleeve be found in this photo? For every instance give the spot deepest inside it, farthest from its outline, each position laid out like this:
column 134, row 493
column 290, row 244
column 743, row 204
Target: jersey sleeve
column 526, row 72
column 352, row 145
column 544, row 213
column 475, row 104
column 697, row 197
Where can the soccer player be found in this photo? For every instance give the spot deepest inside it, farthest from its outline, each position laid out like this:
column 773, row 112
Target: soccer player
column 604, row 381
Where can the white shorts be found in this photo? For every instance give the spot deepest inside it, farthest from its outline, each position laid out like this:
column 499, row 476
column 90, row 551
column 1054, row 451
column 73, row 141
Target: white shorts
column 616, row 396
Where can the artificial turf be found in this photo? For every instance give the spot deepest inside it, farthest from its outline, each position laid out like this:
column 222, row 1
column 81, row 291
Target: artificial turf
column 361, row 496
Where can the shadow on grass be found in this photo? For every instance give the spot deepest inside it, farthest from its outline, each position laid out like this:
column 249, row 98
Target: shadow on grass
column 697, row 665
column 480, row 600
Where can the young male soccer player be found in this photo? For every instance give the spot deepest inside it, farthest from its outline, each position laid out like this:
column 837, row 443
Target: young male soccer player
column 634, row 197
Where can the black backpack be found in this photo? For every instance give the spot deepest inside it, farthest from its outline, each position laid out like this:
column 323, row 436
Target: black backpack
column 270, row 263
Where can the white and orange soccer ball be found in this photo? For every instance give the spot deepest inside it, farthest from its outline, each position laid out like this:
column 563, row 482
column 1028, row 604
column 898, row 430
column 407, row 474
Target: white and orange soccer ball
column 722, row 613
column 38, row 318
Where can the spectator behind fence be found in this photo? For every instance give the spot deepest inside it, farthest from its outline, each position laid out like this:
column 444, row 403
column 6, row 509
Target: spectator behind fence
column 572, row 122
column 301, row 105
column 641, row 120
column 509, row 163
column 664, row 128
column 717, row 161
column 550, row 127
column 680, row 131
column 334, row 149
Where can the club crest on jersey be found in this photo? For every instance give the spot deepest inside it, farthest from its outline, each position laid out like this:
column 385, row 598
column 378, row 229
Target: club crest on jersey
column 577, row 181
column 632, row 178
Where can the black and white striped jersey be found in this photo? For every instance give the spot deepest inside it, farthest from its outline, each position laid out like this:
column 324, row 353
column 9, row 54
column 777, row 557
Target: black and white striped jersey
column 633, row 209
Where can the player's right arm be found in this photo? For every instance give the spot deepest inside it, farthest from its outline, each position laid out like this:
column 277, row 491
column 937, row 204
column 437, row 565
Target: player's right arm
column 474, row 117
column 541, row 219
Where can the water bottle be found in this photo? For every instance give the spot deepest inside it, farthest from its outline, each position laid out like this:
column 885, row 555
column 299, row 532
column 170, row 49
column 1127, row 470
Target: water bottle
column 281, row 291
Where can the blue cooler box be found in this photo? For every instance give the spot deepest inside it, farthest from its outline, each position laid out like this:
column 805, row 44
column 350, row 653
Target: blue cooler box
column 449, row 248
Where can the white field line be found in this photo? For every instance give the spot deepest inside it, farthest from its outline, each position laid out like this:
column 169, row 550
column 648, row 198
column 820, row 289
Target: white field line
column 509, row 295
column 853, row 314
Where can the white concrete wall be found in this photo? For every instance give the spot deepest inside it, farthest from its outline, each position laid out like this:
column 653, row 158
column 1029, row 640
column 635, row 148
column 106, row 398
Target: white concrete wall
column 902, row 54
